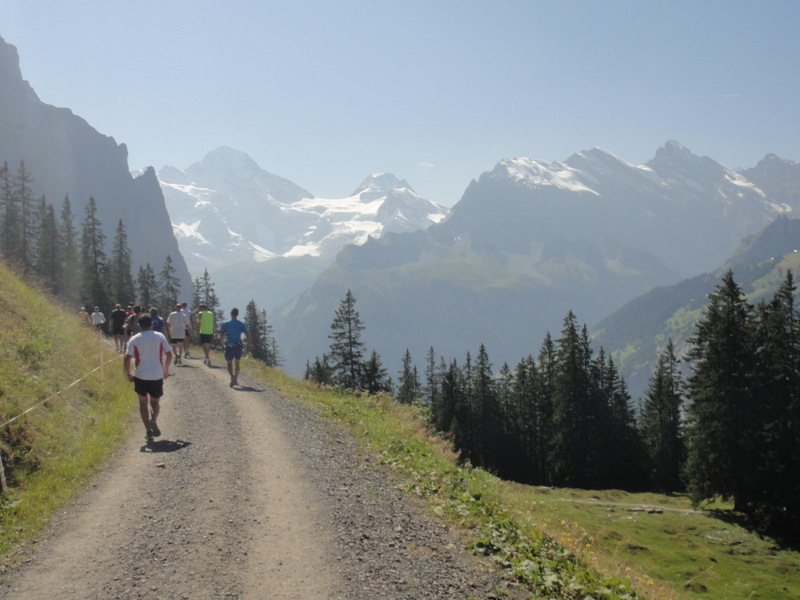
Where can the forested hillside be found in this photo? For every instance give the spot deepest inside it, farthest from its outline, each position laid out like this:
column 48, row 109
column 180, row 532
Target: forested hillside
column 565, row 418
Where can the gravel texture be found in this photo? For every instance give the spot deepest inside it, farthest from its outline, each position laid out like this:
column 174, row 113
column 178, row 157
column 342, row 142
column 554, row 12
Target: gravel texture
column 245, row 495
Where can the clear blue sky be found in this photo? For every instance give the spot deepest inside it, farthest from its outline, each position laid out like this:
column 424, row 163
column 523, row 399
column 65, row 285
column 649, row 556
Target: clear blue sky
column 325, row 93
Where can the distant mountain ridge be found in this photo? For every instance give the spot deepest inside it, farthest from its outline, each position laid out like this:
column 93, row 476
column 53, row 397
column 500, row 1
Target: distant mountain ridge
column 67, row 157
column 529, row 241
column 263, row 237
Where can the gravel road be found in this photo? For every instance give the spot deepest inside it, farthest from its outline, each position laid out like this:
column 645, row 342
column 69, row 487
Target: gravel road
column 246, row 496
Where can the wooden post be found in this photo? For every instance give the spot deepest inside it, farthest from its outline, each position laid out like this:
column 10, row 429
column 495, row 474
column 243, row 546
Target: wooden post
column 3, row 484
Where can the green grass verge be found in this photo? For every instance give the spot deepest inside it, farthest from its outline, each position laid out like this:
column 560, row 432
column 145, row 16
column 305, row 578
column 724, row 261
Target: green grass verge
column 561, row 543
column 69, row 406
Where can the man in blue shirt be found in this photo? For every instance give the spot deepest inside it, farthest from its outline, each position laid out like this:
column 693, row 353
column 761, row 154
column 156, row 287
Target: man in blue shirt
column 231, row 336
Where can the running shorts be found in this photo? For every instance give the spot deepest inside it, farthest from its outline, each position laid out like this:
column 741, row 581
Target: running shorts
column 148, row 387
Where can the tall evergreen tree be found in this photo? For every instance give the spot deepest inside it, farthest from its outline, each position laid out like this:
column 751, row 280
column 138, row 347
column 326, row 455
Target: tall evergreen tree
column 169, row 284
column 23, row 199
column 347, row 349
column 620, row 449
column 69, row 269
column 431, row 389
column 722, row 412
column 573, row 447
column 456, row 402
column 120, row 269
column 408, row 388
column 507, row 440
column 375, row 378
column 273, row 356
column 93, row 259
column 147, row 288
column 534, row 423
column 257, row 330
column 776, row 485
column 443, row 406
column 321, row 372
column 662, row 425
column 47, row 260
column 8, row 213
column 204, row 293
column 485, row 412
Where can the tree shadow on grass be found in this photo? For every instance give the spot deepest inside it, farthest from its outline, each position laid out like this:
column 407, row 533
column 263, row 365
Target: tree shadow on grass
column 785, row 536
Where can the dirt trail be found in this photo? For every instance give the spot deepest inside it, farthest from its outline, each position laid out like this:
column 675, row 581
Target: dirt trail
column 244, row 496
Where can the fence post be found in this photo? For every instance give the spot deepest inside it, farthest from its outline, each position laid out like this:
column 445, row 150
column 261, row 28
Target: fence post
column 3, row 484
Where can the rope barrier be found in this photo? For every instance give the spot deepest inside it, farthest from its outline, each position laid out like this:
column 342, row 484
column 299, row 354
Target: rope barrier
column 58, row 393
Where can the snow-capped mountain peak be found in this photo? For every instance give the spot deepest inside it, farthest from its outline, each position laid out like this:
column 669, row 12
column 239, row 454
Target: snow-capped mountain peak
column 382, row 183
column 225, row 209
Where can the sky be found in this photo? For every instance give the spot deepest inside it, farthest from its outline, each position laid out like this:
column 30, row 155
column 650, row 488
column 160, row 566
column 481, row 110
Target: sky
column 436, row 92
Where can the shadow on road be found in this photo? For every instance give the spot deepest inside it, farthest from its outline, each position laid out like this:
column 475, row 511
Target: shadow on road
column 164, row 446
column 246, row 388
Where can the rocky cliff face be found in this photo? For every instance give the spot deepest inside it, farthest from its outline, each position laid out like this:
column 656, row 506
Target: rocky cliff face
column 67, row 157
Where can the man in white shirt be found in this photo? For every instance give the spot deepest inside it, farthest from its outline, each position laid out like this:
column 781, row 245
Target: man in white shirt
column 98, row 318
column 151, row 354
column 178, row 327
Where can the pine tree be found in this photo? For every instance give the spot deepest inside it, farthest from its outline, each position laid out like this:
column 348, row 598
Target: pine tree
column 47, row 259
column 264, row 346
column 120, row 274
column 204, row 294
column 507, row 439
column 147, row 287
column 375, row 378
column 534, row 423
column 431, row 389
column 27, row 235
column 69, row 269
column 620, row 452
column 574, row 439
column 321, row 372
column 662, row 426
column 93, row 259
column 456, row 402
column 347, row 349
column 775, row 483
column 8, row 213
column 408, row 388
column 485, row 417
column 721, row 453
column 169, row 284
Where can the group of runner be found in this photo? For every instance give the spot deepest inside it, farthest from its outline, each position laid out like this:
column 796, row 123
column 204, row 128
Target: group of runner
column 149, row 353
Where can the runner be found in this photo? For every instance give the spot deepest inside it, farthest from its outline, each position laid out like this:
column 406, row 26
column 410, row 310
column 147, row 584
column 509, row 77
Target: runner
column 231, row 337
column 178, row 327
column 116, row 326
column 205, row 323
column 146, row 349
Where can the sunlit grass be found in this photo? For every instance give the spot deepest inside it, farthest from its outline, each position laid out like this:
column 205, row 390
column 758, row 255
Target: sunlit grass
column 64, row 407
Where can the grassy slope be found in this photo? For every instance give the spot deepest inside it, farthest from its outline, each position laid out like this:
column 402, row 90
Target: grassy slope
column 562, row 543
column 80, row 408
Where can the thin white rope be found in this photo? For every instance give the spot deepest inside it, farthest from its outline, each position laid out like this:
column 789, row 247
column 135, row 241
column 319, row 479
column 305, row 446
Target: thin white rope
column 58, row 393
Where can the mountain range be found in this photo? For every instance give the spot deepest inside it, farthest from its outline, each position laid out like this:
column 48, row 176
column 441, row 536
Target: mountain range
column 531, row 240
column 262, row 237
column 66, row 157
